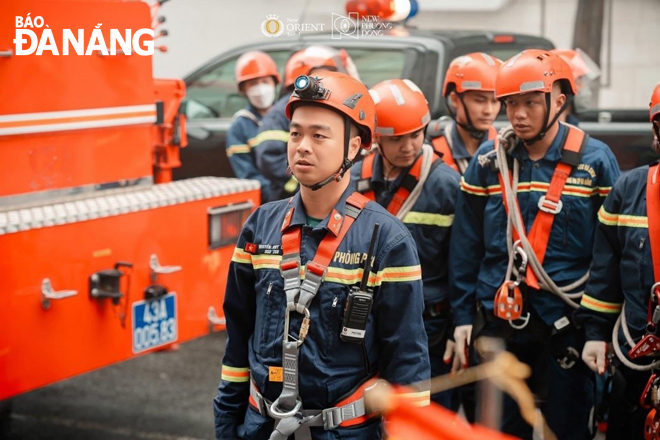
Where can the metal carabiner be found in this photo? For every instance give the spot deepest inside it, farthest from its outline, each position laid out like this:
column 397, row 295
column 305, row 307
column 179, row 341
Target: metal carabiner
column 517, row 249
column 304, row 327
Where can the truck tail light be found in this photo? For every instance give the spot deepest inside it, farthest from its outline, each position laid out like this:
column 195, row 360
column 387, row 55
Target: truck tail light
column 503, row 39
column 226, row 222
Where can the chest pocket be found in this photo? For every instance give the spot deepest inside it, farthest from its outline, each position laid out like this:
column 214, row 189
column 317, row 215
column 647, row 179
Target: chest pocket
column 331, row 303
column 269, row 318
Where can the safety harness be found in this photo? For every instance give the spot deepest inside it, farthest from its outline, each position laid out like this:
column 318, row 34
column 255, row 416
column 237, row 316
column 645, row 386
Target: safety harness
column 414, row 177
column 443, row 145
column 535, row 244
column 287, row 408
column 649, row 344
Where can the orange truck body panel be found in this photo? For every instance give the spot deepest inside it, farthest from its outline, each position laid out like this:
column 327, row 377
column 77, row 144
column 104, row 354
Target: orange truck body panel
column 79, row 152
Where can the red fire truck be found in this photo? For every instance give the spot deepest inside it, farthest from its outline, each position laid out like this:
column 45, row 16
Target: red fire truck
column 102, row 256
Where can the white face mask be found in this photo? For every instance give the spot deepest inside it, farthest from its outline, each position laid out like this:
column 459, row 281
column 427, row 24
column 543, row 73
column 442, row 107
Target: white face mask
column 261, row 96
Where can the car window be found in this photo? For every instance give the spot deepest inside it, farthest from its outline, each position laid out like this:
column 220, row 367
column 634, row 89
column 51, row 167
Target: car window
column 214, row 94
column 375, row 66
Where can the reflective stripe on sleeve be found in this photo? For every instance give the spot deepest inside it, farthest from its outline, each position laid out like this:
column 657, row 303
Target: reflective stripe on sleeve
column 241, row 257
column 237, row 149
column 270, row 135
column 630, row 221
column 425, row 218
column 235, row 374
column 600, row 306
column 473, row 189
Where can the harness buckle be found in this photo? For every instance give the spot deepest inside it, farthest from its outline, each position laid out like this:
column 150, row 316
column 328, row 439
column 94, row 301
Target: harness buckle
column 569, row 359
column 314, row 276
column 276, row 413
column 549, row 206
column 290, row 270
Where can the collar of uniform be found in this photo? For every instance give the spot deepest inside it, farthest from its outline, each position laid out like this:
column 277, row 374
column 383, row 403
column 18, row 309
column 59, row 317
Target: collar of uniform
column 457, row 146
column 378, row 175
column 552, row 155
column 252, row 109
column 299, row 217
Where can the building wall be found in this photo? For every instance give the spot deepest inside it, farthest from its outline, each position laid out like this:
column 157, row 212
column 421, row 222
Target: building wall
column 201, row 29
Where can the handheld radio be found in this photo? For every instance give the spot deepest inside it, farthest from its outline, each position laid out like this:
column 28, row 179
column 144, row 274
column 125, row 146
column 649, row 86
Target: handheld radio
column 359, row 302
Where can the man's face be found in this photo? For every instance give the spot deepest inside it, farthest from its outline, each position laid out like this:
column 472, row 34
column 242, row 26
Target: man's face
column 482, row 107
column 401, row 151
column 251, row 83
column 527, row 111
column 316, row 143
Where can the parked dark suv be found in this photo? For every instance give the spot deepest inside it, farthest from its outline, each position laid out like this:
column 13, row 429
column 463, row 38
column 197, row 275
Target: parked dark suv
column 419, row 55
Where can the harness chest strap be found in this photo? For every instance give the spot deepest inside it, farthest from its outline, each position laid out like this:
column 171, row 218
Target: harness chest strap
column 299, row 296
column 653, row 214
column 407, row 185
column 550, row 204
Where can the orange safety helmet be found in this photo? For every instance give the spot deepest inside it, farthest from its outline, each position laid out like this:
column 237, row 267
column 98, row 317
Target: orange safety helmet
column 339, row 92
column 533, row 70
column 474, row 71
column 654, row 105
column 313, row 57
column 401, row 107
column 574, row 61
column 256, row 64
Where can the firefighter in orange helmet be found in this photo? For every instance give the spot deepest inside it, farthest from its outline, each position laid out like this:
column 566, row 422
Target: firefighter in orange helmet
column 626, row 271
column 270, row 142
column 304, row 336
column 256, row 77
column 521, row 245
column 469, row 92
column 585, row 71
column 410, row 180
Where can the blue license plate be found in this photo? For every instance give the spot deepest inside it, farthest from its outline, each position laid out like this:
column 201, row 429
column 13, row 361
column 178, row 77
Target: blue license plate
column 154, row 323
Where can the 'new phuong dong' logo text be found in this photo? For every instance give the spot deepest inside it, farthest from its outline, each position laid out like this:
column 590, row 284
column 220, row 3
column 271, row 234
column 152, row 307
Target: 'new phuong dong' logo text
column 27, row 42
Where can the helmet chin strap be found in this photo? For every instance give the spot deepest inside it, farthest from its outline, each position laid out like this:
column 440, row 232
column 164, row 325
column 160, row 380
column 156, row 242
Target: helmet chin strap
column 345, row 166
column 656, row 141
column 469, row 127
column 546, row 125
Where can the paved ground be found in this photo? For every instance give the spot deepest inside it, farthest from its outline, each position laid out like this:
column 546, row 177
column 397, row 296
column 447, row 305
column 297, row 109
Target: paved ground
column 161, row 396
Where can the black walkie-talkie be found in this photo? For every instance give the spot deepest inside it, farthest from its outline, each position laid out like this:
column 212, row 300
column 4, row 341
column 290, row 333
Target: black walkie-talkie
column 359, row 302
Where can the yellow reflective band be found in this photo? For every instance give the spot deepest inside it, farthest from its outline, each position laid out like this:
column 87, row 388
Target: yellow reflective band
column 473, row 189
column 241, row 257
column 266, row 261
column 251, row 142
column 630, row 221
column 291, row 185
column 345, row 276
column 425, row 218
column 600, row 306
column 569, row 190
column 237, row 149
column 234, row 374
column 397, row 275
column 270, row 135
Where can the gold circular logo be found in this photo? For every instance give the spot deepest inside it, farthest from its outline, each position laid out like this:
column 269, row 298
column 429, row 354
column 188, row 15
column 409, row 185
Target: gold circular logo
column 272, row 26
